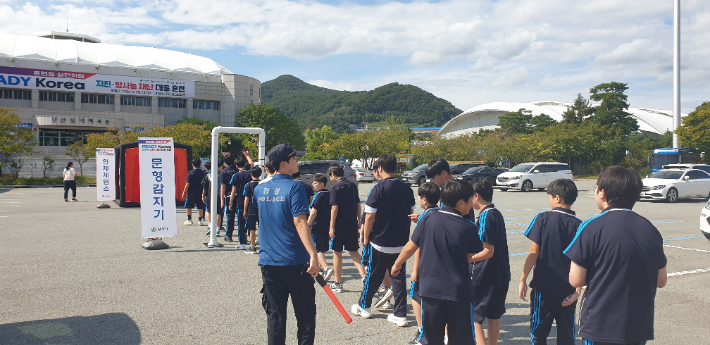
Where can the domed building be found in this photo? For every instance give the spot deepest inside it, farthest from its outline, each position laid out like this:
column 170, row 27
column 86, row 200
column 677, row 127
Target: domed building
column 485, row 116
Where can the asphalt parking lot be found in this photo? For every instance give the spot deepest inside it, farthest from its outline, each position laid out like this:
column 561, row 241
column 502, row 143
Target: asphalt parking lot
column 75, row 274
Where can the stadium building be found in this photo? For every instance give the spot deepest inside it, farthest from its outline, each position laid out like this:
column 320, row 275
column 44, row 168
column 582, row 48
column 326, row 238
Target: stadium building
column 66, row 85
column 485, row 116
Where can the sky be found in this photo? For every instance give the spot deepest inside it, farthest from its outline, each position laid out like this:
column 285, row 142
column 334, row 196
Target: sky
column 468, row 52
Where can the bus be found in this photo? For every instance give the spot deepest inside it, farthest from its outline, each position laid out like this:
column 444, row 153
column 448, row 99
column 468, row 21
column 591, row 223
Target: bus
column 669, row 155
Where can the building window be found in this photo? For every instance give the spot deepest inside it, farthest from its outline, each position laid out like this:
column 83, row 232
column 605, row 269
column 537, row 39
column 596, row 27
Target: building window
column 212, row 105
column 171, row 103
column 96, row 99
column 251, row 90
column 62, row 138
column 15, row 94
column 56, row 96
column 139, row 101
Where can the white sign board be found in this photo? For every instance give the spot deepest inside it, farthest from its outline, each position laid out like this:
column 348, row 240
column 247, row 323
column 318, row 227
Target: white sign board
column 157, row 175
column 46, row 80
column 105, row 174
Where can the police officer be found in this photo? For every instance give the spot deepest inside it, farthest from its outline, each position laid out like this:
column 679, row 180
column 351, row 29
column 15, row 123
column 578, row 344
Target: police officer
column 288, row 256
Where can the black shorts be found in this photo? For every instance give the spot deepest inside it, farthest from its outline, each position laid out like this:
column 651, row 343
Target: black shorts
column 252, row 220
column 414, row 292
column 488, row 302
column 193, row 200
column 348, row 240
column 322, row 243
column 589, row 342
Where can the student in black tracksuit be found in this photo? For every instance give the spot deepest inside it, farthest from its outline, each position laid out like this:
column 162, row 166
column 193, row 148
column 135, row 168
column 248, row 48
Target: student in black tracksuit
column 238, row 182
column 619, row 256
column 387, row 226
column 552, row 297
column 251, row 212
column 429, row 195
column 226, row 178
column 490, row 272
column 446, row 241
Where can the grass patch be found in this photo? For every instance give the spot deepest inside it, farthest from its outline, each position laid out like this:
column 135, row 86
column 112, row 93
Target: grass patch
column 7, row 180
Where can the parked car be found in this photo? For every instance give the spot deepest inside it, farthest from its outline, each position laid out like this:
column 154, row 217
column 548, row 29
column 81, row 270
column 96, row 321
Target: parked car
column 705, row 220
column 674, row 184
column 488, row 173
column 364, row 175
column 415, row 176
column 703, row 167
column 310, row 168
column 526, row 176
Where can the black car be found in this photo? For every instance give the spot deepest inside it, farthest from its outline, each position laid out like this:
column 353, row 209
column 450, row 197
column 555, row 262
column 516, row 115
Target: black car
column 481, row 171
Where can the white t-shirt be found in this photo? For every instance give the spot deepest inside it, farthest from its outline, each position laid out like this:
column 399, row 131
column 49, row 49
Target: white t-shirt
column 69, row 174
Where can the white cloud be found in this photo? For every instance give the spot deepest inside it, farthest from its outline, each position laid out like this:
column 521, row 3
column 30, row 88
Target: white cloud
column 512, row 78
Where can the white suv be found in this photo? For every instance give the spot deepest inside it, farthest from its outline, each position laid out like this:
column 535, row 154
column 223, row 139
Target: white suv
column 526, row 176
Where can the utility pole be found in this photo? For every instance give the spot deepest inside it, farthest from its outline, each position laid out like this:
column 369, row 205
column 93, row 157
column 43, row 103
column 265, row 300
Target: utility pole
column 676, row 72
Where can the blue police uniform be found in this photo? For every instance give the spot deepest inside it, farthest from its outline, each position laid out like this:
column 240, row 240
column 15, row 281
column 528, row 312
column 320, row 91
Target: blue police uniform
column 553, row 231
column 622, row 253
column 284, row 260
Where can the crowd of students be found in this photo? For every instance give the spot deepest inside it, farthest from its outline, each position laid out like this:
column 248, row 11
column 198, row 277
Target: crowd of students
column 461, row 272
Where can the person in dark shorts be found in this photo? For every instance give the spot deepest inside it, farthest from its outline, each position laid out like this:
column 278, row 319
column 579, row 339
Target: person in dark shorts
column 207, row 196
column 490, row 269
column 619, row 256
column 287, row 256
column 309, row 189
column 225, row 190
column 446, row 241
column 552, row 297
column 319, row 220
column 344, row 222
column 236, row 202
column 387, row 228
column 193, row 189
column 429, row 195
column 251, row 212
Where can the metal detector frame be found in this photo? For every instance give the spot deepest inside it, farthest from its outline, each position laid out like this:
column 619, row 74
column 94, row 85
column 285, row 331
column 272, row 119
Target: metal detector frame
column 214, row 185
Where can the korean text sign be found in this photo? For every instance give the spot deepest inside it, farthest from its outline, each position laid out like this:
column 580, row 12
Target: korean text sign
column 105, row 174
column 157, row 175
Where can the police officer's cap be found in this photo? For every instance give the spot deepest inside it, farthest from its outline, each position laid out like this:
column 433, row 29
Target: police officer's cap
column 283, row 152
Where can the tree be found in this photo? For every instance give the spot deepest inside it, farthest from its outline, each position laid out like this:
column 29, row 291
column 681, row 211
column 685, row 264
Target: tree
column 13, row 140
column 197, row 136
column 368, row 145
column 207, row 124
column 578, row 111
column 515, row 122
column 48, row 165
column 80, row 152
column 612, row 110
column 541, row 122
column 279, row 128
column 315, row 138
column 695, row 130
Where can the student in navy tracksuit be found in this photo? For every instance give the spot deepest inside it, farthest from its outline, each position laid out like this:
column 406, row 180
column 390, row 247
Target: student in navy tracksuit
column 238, row 182
column 552, row 297
column 490, row 272
column 429, row 195
column 619, row 256
column 446, row 241
column 287, row 255
column 309, row 189
column 226, row 178
column 251, row 212
column 319, row 220
column 387, row 226
column 344, row 222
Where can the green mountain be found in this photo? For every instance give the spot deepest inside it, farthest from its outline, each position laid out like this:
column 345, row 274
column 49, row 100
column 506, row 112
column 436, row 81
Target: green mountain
column 313, row 106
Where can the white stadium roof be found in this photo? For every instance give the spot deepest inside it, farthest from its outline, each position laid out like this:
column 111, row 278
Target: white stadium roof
column 67, row 54
column 485, row 116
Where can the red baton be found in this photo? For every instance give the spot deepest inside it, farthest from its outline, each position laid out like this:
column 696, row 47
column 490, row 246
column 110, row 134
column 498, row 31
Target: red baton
column 321, row 281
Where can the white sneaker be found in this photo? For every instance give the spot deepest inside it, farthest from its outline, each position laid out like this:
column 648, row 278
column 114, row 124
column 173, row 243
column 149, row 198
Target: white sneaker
column 202, row 223
column 387, row 306
column 188, row 222
column 446, row 339
column 364, row 312
column 241, row 247
column 328, row 273
column 386, row 297
column 399, row 321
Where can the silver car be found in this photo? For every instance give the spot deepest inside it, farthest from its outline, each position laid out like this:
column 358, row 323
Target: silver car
column 364, row 175
column 309, row 168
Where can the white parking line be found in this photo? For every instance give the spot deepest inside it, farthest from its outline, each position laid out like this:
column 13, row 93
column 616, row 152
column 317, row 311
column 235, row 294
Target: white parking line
column 701, row 270
column 693, row 249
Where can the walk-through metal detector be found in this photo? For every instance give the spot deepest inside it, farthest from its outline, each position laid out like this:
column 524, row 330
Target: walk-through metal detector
column 214, row 187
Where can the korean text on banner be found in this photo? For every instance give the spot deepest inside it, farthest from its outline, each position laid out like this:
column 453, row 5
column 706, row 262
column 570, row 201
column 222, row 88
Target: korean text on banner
column 105, row 174
column 157, row 175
